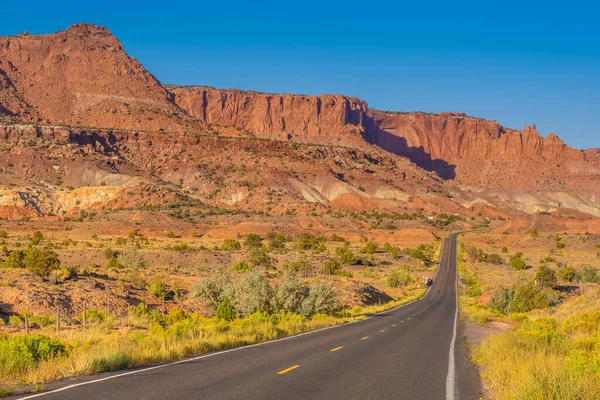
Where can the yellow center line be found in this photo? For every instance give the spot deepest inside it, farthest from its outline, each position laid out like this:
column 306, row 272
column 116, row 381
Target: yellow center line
column 393, row 324
column 336, row 349
column 408, row 318
column 365, row 338
column 401, row 321
column 284, row 371
column 383, row 330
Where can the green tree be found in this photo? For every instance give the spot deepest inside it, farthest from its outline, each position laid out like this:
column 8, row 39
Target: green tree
column 517, row 262
column 546, row 277
column 157, row 288
column 253, row 241
column 36, row 238
column 370, row 248
column 501, row 300
column 568, row 274
column 41, row 262
column 225, row 310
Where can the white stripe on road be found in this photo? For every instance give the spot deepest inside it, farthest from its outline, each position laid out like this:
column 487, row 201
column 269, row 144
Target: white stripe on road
column 451, row 377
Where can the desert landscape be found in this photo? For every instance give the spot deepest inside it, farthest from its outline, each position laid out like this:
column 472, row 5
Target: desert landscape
column 143, row 223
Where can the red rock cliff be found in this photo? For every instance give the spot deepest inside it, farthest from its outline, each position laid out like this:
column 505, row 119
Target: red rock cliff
column 275, row 114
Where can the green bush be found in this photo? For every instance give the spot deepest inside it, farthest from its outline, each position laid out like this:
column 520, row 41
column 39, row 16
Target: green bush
column 231, row 245
column 321, row 299
column 568, row 274
column 517, row 262
column 253, row 241
column 501, row 300
column 15, row 321
column 157, row 289
column 560, row 245
column 19, row 353
column 36, row 238
column 346, row 255
column 529, row 297
column 398, row 279
column 370, row 248
column 307, row 241
column 546, row 277
column 241, row 266
column 3, row 234
column 259, row 257
column 225, row 310
column 332, row 267
column 289, row 293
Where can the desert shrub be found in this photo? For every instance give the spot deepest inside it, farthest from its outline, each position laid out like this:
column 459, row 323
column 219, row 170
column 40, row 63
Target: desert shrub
column 303, row 267
column 289, row 293
column 276, row 241
column 259, row 257
column 92, row 316
column 588, row 275
column 225, row 310
column 494, row 258
column 42, row 320
column 331, row 267
column 398, row 279
column 505, row 249
column 41, row 262
column 231, row 245
column 568, row 274
column 546, row 277
column 529, row 297
column 3, row 234
column 250, row 293
column 346, row 255
column 321, row 299
column 501, row 300
column 560, row 245
column 170, row 235
column 110, row 253
column 36, row 238
column 212, row 290
column 157, row 289
column 307, row 241
column 15, row 321
column 120, row 241
column 132, row 258
column 253, row 241
column 15, row 259
column 113, row 263
column 337, row 238
column 370, row 248
column 517, row 262
column 241, row 266
column 19, row 353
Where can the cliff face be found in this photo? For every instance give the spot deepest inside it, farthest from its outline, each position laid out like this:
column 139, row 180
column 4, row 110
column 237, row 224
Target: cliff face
column 83, row 77
column 453, row 137
column 275, row 114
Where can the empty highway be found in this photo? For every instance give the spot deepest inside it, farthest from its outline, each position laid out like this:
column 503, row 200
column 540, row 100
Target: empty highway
column 412, row 352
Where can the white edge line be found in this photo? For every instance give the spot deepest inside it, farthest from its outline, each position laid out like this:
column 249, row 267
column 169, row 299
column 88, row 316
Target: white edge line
column 235, row 348
column 451, row 376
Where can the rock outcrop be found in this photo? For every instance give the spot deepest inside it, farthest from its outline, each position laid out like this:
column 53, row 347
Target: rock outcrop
column 275, row 114
column 82, row 77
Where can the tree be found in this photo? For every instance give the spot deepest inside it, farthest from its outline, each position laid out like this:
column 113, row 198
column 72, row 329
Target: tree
column 225, row 310
column 546, row 277
column 157, row 288
column 36, row 238
column 501, row 300
column 346, row 255
column 253, row 241
column 517, row 262
column 41, row 262
column 505, row 249
column 535, row 233
column 568, row 274
column 370, row 248
column 331, row 267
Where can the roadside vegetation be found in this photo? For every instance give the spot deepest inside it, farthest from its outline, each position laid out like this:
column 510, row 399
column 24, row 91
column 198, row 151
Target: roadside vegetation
column 550, row 347
column 258, row 297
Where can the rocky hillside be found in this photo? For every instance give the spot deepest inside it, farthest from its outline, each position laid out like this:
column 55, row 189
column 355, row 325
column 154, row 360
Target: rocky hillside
column 90, row 105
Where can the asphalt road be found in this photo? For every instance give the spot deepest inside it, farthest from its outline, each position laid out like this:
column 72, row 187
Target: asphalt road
column 412, row 352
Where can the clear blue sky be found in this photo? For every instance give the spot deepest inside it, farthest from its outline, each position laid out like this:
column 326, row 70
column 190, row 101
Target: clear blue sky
column 518, row 62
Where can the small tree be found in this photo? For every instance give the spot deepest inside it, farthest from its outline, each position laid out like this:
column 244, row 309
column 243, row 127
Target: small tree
column 535, row 233
column 253, row 241
column 41, row 262
column 370, row 248
column 225, row 310
column 517, row 262
column 36, row 238
column 568, row 274
column 157, row 288
column 546, row 277
column 241, row 266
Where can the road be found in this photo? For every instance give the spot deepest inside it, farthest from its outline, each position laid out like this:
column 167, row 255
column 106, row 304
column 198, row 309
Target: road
column 412, row 352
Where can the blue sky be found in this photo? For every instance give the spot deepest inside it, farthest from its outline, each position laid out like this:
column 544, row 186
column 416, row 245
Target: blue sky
column 517, row 62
